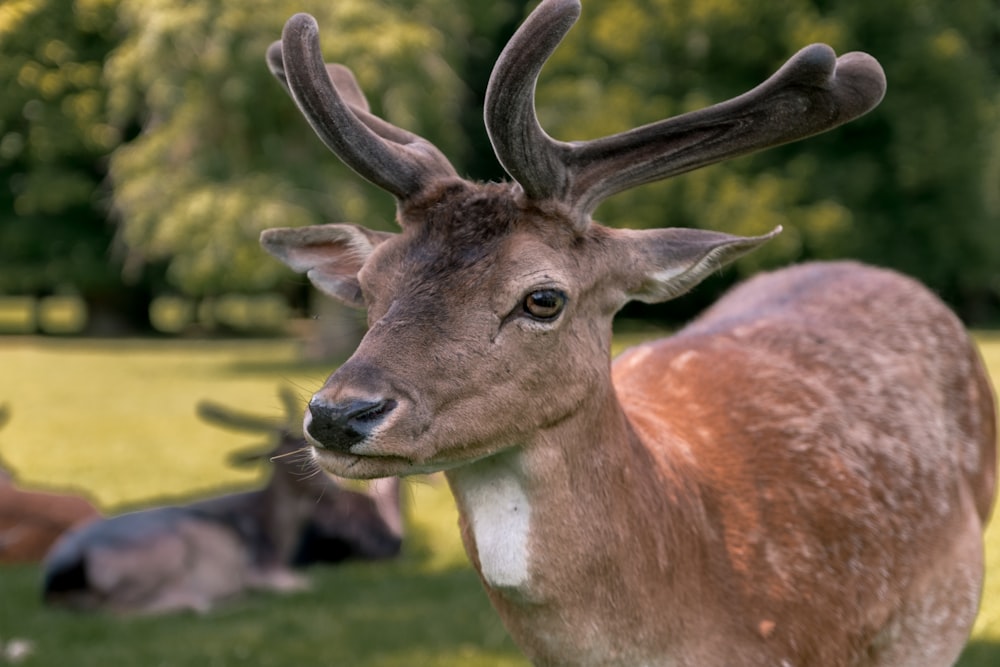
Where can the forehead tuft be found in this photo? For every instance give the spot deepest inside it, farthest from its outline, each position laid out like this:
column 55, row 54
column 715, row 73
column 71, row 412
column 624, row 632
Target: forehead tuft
column 457, row 236
column 463, row 224
column 464, row 213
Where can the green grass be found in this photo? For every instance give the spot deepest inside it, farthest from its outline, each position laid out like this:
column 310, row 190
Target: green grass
column 117, row 420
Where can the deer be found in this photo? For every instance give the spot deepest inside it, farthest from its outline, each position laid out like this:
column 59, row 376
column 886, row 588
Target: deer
column 32, row 519
column 799, row 476
column 194, row 557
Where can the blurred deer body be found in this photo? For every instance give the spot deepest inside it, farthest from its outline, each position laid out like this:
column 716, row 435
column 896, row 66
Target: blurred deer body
column 31, row 520
column 799, row 477
column 191, row 557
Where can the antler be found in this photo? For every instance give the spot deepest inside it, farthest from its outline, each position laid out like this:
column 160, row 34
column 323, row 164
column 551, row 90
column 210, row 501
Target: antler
column 392, row 158
column 243, row 421
column 229, row 418
column 813, row 92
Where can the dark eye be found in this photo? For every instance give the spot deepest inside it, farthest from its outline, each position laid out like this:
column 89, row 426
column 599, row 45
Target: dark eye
column 544, row 304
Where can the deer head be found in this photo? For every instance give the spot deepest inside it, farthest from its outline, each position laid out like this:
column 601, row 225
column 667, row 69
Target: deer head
column 490, row 313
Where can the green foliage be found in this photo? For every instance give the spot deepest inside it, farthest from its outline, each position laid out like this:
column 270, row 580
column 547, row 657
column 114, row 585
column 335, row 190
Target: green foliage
column 205, row 149
column 53, row 138
column 223, row 152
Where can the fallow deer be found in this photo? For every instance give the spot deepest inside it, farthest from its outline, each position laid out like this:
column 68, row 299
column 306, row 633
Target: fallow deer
column 192, row 557
column 800, row 477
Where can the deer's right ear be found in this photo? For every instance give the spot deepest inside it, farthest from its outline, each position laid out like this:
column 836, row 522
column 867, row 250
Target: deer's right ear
column 330, row 255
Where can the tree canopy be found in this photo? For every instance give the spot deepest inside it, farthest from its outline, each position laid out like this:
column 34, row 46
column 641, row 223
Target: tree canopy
column 146, row 141
column 223, row 153
column 54, row 137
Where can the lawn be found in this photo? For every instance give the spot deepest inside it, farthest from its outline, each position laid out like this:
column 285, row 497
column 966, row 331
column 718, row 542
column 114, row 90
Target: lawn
column 116, row 419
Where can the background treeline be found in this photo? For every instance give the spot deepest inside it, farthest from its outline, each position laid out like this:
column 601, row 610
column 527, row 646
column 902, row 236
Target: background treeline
column 144, row 145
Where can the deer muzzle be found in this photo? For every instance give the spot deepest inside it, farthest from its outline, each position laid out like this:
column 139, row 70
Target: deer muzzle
column 338, row 426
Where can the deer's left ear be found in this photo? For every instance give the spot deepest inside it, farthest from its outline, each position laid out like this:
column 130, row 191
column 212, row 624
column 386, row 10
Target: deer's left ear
column 330, row 255
column 666, row 263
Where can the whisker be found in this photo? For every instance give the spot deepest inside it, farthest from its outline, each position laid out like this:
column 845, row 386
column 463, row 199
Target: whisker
column 300, row 451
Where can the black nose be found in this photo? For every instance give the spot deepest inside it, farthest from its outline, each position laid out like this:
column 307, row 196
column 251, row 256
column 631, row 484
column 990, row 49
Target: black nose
column 338, row 426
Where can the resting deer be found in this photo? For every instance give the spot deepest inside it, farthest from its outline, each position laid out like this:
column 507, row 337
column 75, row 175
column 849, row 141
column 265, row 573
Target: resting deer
column 192, row 557
column 31, row 520
column 800, row 477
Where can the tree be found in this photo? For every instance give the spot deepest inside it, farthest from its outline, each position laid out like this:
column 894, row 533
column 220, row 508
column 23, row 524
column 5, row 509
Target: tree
column 54, row 141
column 223, row 152
column 206, row 149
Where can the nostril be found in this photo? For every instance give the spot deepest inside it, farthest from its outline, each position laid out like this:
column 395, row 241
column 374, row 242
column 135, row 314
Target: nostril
column 374, row 412
column 341, row 425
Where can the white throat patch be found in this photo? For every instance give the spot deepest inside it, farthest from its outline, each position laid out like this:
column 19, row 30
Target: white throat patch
column 492, row 494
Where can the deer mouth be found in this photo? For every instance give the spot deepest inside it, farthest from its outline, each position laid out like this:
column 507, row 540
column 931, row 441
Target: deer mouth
column 369, row 466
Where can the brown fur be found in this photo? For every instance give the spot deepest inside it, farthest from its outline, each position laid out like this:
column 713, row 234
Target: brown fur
column 822, row 438
column 31, row 521
column 828, row 488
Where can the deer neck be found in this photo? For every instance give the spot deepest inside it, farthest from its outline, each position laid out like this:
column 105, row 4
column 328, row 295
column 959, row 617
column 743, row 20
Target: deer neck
column 539, row 516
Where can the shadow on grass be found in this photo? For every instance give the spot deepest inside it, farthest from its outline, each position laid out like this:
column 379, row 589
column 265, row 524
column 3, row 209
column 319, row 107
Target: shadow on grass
column 980, row 653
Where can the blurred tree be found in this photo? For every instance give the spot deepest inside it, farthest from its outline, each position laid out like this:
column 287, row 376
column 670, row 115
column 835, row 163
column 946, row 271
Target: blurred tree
column 930, row 207
column 54, row 139
column 477, row 32
column 207, row 150
column 223, row 153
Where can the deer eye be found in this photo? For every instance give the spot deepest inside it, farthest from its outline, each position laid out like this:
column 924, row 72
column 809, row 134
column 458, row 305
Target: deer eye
column 545, row 304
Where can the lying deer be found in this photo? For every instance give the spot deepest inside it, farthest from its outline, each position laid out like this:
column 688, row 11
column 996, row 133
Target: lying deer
column 31, row 520
column 799, row 477
column 191, row 557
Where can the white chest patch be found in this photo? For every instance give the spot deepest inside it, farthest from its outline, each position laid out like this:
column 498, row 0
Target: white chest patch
column 491, row 493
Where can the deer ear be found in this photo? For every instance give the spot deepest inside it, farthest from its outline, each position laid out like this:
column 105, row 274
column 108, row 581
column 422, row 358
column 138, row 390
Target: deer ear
column 669, row 262
column 329, row 255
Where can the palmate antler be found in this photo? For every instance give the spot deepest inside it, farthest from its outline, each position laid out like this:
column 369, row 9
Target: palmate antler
column 813, row 92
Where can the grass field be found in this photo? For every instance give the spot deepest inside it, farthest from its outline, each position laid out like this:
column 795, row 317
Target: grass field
column 116, row 419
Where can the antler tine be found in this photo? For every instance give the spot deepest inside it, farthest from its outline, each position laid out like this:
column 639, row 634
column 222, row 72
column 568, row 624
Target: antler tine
column 348, row 89
column 395, row 160
column 342, row 78
column 527, row 153
column 813, row 92
column 293, row 405
column 345, row 84
column 276, row 64
column 241, row 421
